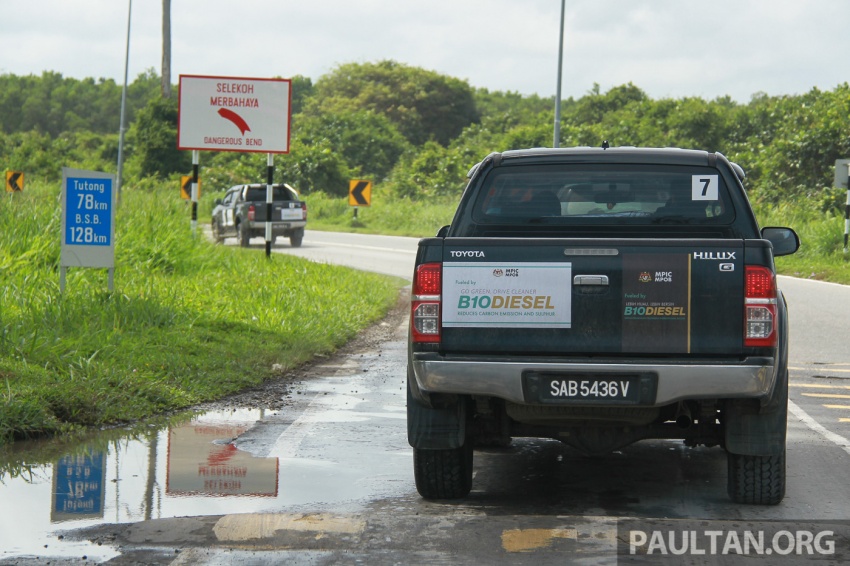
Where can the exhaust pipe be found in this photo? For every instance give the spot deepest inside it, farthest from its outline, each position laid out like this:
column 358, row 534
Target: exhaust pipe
column 683, row 416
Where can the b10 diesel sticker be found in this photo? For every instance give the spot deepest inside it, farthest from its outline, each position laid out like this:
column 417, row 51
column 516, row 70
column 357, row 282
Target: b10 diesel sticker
column 506, row 295
column 656, row 303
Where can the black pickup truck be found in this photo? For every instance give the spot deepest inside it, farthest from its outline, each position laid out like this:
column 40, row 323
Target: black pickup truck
column 242, row 213
column 600, row 296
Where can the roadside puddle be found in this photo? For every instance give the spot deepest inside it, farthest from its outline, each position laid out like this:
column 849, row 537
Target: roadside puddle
column 186, row 466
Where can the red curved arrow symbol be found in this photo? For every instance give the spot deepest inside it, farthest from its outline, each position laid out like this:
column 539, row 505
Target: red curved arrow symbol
column 235, row 118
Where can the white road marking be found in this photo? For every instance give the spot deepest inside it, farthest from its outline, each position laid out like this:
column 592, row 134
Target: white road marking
column 836, row 439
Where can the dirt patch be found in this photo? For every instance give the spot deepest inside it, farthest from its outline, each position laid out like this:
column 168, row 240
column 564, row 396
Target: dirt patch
column 275, row 393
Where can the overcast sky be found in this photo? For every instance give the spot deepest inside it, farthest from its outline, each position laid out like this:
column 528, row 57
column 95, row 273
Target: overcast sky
column 668, row 48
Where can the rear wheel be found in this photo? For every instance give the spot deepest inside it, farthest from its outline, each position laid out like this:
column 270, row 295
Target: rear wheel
column 216, row 232
column 757, row 480
column 296, row 238
column 443, row 474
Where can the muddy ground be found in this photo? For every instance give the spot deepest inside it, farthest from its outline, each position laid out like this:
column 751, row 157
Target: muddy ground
column 275, row 394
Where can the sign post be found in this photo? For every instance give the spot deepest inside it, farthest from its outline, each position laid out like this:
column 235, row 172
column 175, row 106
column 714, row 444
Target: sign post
column 195, row 191
column 88, row 222
column 847, row 210
column 235, row 114
column 842, row 180
column 269, row 201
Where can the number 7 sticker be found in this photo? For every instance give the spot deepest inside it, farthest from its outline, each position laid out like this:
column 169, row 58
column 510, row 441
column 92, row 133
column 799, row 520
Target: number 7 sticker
column 704, row 187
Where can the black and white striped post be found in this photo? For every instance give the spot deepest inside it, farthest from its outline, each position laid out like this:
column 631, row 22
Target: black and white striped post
column 847, row 211
column 842, row 180
column 195, row 160
column 269, row 201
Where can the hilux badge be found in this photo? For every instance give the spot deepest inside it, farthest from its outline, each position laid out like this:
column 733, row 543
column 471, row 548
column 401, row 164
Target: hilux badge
column 714, row 255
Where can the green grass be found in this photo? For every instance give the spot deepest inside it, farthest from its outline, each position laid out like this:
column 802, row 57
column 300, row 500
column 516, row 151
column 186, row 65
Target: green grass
column 394, row 216
column 821, row 255
column 188, row 321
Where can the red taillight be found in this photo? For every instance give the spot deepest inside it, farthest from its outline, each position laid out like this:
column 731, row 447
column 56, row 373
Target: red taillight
column 760, row 307
column 425, row 303
column 303, row 211
column 429, row 279
column 251, row 213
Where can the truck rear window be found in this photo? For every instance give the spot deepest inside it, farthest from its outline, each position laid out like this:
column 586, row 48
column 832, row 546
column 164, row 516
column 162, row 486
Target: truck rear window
column 258, row 194
column 603, row 194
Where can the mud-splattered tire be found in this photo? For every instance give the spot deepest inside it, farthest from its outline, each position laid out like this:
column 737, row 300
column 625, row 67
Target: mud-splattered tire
column 758, row 480
column 443, row 474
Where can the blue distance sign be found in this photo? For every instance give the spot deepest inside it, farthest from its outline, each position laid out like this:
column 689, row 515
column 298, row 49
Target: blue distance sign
column 78, row 486
column 88, row 211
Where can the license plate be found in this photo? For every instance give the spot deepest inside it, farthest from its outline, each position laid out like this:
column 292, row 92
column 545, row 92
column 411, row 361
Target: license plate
column 598, row 388
column 594, row 389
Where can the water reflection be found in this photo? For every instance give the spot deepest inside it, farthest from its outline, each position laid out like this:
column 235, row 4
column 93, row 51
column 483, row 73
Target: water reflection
column 202, row 461
column 78, row 487
column 187, row 466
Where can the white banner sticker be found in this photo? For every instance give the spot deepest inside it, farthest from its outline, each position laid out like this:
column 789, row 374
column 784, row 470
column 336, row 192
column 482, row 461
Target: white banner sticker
column 704, row 187
column 507, row 295
column 290, row 214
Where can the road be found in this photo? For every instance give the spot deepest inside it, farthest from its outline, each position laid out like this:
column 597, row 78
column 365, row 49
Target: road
column 345, row 467
column 390, row 255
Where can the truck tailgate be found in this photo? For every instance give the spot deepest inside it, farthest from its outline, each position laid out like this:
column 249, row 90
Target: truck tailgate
column 589, row 297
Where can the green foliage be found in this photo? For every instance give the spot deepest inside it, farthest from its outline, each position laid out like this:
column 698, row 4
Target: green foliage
column 302, row 89
column 797, row 154
column 369, row 142
column 318, row 167
column 388, row 214
column 424, row 105
column 433, row 171
column 417, row 132
column 52, row 104
column 154, row 140
column 42, row 157
column 179, row 328
column 595, row 107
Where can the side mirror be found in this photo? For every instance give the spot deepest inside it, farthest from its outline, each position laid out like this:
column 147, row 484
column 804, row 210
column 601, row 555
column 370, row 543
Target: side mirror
column 441, row 233
column 217, row 201
column 785, row 240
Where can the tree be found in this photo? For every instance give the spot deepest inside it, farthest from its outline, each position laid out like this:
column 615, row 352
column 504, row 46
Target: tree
column 422, row 104
column 370, row 144
column 154, row 137
column 302, row 88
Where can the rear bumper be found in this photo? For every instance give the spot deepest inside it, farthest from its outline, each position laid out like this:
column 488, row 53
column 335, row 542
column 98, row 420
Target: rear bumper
column 278, row 227
column 748, row 378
